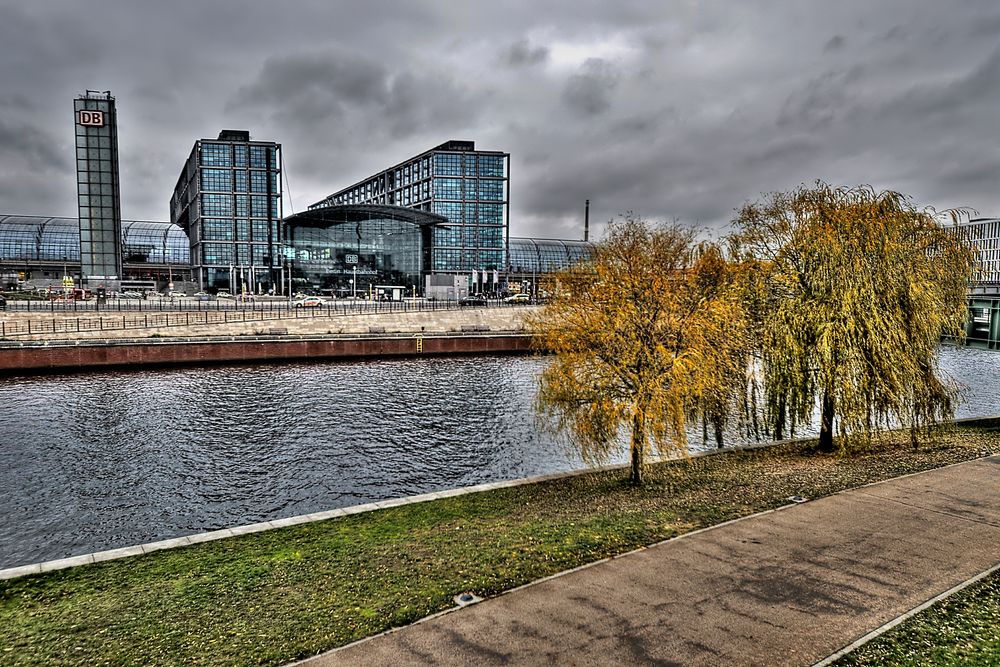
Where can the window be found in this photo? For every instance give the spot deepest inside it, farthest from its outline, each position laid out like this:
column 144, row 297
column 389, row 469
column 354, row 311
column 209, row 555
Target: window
column 217, row 205
column 216, row 155
column 217, row 253
column 258, row 207
column 491, row 190
column 491, row 214
column 241, row 181
column 258, row 181
column 450, row 210
column 448, row 188
column 242, row 205
column 260, row 230
column 217, row 229
column 216, row 179
column 240, row 155
column 261, row 157
column 490, row 165
column 447, row 164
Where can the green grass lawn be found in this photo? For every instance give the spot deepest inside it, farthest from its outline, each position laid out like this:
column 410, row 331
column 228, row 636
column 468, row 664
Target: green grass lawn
column 272, row 597
column 963, row 629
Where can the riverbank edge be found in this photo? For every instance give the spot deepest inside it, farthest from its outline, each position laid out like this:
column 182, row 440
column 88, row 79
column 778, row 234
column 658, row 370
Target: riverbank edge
column 223, row 533
column 26, row 358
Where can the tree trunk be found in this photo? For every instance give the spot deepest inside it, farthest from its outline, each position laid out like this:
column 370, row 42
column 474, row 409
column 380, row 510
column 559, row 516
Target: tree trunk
column 718, row 434
column 779, row 422
column 638, row 442
column 826, row 425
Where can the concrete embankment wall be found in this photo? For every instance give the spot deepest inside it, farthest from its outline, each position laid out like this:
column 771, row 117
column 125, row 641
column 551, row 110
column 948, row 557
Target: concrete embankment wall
column 35, row 357
column 78, row 326
column 310, row 336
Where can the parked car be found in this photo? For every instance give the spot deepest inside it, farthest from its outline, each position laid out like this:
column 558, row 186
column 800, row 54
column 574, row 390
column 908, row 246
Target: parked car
column 473, row 300
column 223, row 294
column 310, row 302
column 518, row 298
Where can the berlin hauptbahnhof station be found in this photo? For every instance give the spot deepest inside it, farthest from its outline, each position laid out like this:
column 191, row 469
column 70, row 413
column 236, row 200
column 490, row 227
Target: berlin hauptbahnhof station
column 436, row 224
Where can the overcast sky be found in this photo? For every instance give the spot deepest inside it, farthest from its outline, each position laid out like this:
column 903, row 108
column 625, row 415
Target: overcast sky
column 674, row 110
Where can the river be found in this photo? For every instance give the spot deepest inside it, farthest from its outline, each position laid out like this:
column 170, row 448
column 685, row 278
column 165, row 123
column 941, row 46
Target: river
column 96, row 461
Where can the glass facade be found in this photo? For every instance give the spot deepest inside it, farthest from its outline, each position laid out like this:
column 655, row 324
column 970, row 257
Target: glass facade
column 97, row 188
column 348, row 250
column 983, row 235
column 228, row 199
column 30, row 243
column 466, row 186
column 540, row 256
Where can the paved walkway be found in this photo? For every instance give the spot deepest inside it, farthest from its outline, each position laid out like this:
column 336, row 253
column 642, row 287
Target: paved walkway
column 785, row 588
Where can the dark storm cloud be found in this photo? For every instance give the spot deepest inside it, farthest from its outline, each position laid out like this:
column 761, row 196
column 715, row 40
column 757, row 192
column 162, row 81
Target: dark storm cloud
column 26, row 143
column 835, row 43
column 522, row 53
column 590, row 90
column 680, row 109
column 343, row 92
column 821, row 101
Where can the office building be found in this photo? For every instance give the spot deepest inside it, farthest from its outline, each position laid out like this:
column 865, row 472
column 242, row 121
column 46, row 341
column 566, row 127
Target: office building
column 467, row 187
column 98, row 194
column 228, row 201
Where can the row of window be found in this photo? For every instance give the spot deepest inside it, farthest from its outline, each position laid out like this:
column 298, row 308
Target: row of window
column 94, row 166
column 239, row 206
column 468, row 164
column 239, row 254
column 93, row 153
column 409, row 184
column 93, row 140
column 226, row 180
column 238, row 155
column 97, row 213
column 469, row 237
column 227, row 229
column 446, row 259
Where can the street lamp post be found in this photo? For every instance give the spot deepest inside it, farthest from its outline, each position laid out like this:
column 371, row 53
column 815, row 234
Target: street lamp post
column 354, row 282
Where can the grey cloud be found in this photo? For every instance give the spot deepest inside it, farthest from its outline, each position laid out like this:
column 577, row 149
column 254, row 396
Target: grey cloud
column 344, row 93
column 835, row 43
column 978, row 86
column 589, row 91
column 22, row 142
column 522, row 53
column 821, row 101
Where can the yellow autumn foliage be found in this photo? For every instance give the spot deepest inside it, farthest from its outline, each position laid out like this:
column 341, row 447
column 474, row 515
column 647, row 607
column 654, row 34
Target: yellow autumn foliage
column 852, row 290
column 646, row 334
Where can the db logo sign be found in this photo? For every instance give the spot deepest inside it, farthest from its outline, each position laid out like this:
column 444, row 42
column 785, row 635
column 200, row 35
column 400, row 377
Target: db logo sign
column 91, row 118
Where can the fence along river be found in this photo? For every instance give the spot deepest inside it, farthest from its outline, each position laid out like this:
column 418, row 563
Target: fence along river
column 102, row 460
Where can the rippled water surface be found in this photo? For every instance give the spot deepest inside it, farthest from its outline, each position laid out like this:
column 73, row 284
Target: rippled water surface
column 96, row 461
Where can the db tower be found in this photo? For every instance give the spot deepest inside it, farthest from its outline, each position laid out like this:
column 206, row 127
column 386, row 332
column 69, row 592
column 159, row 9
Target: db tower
column 98, row 194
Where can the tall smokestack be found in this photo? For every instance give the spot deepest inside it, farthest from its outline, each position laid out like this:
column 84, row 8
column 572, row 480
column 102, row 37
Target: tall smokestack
column 586, row 222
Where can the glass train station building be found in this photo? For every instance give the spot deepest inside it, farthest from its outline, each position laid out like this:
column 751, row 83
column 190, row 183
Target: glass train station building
column 437, row 223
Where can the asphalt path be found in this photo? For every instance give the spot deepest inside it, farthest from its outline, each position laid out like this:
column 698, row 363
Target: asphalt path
column 787, row 587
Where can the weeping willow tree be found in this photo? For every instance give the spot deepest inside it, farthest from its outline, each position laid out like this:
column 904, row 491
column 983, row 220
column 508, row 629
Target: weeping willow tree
column 639, row 335
column 857, row 288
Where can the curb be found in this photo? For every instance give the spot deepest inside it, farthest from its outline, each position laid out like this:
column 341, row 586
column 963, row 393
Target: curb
column 173, row 543
column 830, row 659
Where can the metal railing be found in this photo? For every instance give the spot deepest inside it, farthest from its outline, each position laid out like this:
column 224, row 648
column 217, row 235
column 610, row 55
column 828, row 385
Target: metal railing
column 188, row 315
